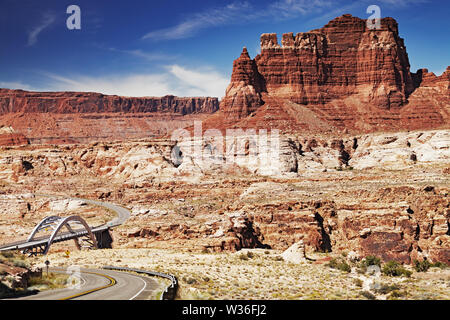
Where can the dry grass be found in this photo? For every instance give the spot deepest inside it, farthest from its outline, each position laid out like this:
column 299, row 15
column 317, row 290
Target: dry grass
column 263, row 275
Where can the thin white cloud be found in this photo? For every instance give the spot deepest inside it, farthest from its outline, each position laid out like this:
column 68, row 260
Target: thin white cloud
column 177, row 80
column 47, row 20
column 149, row 56
column 237, row 12
column 205, row 82
column 286, row 9
column 135, row 85
column 202, row 20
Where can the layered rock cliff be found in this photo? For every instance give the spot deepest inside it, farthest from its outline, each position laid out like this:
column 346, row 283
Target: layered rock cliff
column 343, row 75
column 13, row 101
column 73, row 117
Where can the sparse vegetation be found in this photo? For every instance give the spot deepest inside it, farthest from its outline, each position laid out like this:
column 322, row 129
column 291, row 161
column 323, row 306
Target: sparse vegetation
column 368, row 295
column 396, row 294
column 243, row 256
column 50, row 281
column 440, row 265
column 340, row 264
column 368, row 261
column 395, row 269
column 371, row 261
column 422, row 266
column 14, row 259
column 387, row 288
column 358, row 282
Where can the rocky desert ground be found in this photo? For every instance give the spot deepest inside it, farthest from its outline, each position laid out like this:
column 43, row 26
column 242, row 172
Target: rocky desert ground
column 223, row 229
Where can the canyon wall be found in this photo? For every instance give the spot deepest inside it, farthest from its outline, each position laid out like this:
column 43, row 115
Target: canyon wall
column 13, row 101
column 77, row 117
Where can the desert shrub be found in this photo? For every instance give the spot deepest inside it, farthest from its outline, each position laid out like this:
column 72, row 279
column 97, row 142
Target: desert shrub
column 394, row 295
column 6, row 254
column 441, row 265
column 368, row 261
column 368, row 295
column 340, row 265
column 243, row 256
column 422, row 266
column 358, row 282
column 371, row 261
column 189, row 280
column 395, row 269
column 19, row 261
column 278, row 258
column 386, row 288
column 52, row 280
column 14, row 259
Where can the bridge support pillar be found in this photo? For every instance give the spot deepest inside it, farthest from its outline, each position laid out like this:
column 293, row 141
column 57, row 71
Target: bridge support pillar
column 104, row 239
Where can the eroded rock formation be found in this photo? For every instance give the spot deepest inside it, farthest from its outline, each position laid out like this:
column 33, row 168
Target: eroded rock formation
column 374, row 194
column 342, row 76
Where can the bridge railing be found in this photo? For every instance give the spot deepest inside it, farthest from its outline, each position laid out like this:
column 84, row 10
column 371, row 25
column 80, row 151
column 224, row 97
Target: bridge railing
column 169, row 292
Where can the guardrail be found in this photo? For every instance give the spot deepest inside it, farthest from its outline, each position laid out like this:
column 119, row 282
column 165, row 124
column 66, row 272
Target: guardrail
column 170, row 291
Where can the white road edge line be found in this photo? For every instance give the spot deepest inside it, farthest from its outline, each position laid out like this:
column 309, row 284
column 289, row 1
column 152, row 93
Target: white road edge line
column 140, row 291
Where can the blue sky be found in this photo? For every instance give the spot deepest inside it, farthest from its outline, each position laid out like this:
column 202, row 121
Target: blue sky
column 185, row 48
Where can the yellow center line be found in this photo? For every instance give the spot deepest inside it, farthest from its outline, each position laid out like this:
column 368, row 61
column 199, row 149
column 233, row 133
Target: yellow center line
column 112, row 282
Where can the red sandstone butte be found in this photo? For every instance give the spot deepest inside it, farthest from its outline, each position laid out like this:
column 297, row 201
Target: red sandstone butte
column 342, row 76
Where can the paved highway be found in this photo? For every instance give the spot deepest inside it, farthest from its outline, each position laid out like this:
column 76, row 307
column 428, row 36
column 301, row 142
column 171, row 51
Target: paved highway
column 97, row 284
column 103, row 285
column 122, row 213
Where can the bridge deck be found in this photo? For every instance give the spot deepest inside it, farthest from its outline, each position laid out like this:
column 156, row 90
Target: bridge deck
column 122, row 215
column 21, row 245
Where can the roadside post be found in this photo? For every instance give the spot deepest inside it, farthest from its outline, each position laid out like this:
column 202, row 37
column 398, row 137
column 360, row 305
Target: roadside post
column 47, row 263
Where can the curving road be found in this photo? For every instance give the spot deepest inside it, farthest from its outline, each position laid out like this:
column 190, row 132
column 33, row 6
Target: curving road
column 99, row 284
column 103, row 285
column 122, row 215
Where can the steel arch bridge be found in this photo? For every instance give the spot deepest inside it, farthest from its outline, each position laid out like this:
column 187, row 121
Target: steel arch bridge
column 78, row 230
